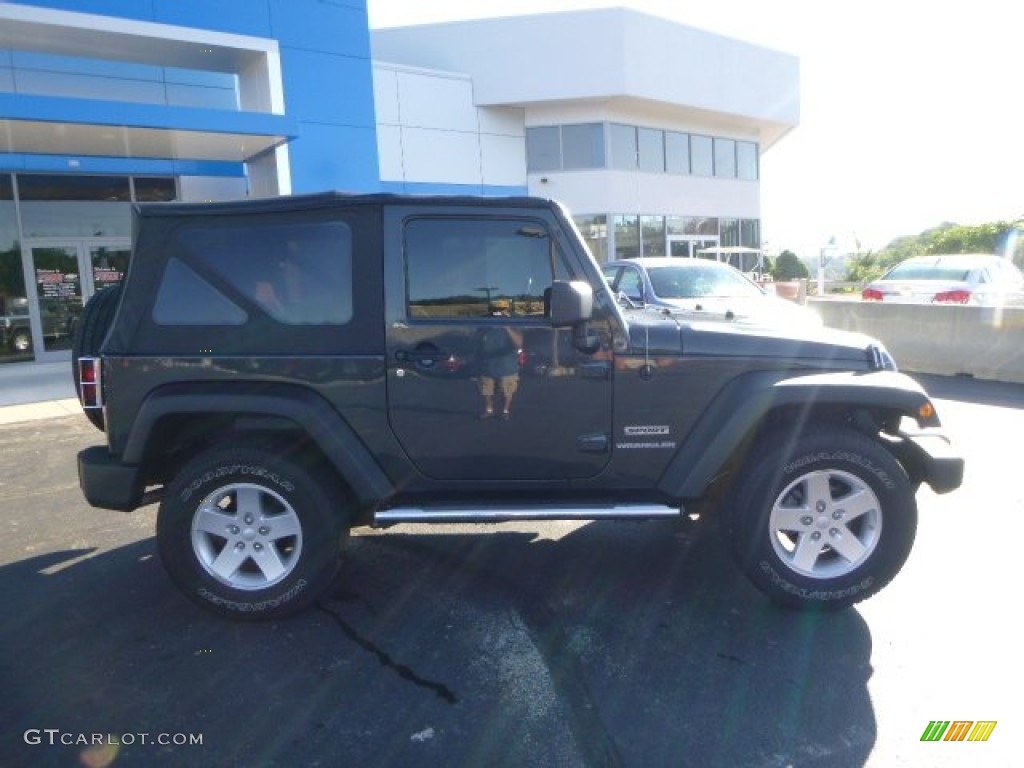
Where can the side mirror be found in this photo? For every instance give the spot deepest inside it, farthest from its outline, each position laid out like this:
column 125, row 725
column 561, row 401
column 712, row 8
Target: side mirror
column 572, row 303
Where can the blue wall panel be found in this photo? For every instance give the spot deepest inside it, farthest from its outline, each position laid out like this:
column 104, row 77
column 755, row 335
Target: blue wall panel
column 126, row 9
column 334, row 157
column 240, row 17
column 319, row 26
column 326, row 88
column 117, row 165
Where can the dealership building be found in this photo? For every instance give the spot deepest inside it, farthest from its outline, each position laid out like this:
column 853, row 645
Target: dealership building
column 651, row 132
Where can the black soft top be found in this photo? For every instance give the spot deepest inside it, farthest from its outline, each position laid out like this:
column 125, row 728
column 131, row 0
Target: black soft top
column 330, row 199
column 158, row 232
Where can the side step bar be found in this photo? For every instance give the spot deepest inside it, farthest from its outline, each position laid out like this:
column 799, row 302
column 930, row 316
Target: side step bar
column 466, row 514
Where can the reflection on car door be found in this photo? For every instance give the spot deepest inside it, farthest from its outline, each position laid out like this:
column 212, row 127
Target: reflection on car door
column 472, row 331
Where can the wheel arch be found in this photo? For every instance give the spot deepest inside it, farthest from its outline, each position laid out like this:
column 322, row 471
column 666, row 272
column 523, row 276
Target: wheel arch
column 766, row 402
column 286, row 415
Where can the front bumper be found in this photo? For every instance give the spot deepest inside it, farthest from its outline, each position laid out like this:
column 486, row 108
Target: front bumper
column 929, row 457
column 106, row 482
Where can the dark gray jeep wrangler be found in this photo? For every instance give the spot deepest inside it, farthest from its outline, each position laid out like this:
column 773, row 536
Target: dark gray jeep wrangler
column 278, row 371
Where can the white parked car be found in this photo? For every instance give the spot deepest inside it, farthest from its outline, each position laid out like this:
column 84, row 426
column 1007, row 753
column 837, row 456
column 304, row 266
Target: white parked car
column 966, row 278
column 699, row 289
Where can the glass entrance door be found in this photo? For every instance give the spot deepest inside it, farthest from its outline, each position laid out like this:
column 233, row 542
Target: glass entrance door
column 688, row 247
column 67, row 273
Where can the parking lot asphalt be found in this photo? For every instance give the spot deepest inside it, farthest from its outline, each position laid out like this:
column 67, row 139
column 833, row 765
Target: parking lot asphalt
column 555, row 644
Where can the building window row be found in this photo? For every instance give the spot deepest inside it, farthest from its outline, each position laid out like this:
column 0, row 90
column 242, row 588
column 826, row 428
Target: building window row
column 634, row 148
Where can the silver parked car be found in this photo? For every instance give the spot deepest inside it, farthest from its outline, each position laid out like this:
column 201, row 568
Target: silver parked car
column 967, row 278
column 702, row 290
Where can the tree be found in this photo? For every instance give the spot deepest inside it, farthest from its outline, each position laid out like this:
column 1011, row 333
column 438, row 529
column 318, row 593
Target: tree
column 789, row 267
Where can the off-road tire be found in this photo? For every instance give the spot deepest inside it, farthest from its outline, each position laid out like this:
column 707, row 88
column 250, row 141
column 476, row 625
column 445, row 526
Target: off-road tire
column 823, row 521
column 88, row 336
column 249, row 533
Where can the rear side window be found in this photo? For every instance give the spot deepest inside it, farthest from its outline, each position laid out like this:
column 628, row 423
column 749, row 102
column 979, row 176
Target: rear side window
column 186, row 299
column 297, row 273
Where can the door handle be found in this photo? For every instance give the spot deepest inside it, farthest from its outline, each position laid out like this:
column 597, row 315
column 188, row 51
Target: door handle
column 425, row 354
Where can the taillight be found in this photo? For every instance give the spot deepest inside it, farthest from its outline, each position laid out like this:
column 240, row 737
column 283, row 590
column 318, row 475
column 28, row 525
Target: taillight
column 958, row 296
column 871, row 294
column 90, row 384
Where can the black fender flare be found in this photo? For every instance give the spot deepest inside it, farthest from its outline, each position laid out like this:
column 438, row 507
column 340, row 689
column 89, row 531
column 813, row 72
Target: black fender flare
column 745, row 402
column 309, row 411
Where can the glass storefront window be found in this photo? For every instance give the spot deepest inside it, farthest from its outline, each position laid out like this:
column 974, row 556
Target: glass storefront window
column 652, row 230
column 15, row 333
column 730, row 232
column 702, row 160
column 623, row 146
column 746, row 160
column 582, row 146
column 750, row 233
column 59, row 293
column 725, row 158
column 651, row 150
column 74, row 206
column 677, row 152
column 73, row 187
column 692, row 225
column 109, row 265
column 594, row 230
column 627, row 237
column 154, row 189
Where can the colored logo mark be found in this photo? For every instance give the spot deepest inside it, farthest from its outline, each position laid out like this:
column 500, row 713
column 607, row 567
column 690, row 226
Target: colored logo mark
column 958, row 730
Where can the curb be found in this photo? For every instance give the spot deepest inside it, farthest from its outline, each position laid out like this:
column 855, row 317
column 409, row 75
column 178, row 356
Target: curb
column 13, row 414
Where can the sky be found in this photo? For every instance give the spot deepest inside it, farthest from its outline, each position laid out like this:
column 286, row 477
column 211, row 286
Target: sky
column 912, row 111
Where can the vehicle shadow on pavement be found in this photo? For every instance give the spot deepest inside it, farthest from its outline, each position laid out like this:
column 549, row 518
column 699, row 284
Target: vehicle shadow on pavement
column 632, row 644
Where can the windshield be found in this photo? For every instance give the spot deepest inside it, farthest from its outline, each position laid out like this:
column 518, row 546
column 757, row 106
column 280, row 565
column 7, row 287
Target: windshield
column 696, row 281
column 927, row 271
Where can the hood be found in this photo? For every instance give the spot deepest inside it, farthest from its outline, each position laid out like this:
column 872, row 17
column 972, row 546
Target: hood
column 769, row 311
column 656, row 332
column 669, row 333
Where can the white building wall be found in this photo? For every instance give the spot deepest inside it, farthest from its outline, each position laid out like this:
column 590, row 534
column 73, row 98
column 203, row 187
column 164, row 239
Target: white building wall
column 601, row 66
column 607, row 54
column 430, row 131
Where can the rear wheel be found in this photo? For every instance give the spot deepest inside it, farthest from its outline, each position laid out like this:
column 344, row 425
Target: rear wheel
column 89, row 333
column 825, row 525
column 248, row 533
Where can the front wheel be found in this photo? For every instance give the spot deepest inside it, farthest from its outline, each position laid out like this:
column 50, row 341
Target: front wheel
column 826, row 524
column 250, row 534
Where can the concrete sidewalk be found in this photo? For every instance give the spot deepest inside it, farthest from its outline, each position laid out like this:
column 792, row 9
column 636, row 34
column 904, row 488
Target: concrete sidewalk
column 33, row 391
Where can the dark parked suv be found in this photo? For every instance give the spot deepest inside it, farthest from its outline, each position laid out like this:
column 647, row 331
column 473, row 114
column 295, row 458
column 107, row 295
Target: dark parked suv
column 278, row 371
